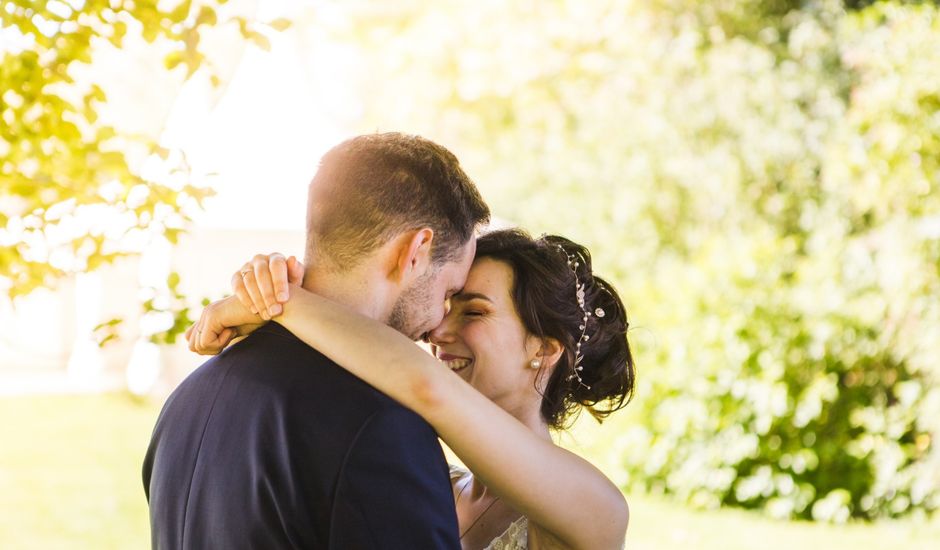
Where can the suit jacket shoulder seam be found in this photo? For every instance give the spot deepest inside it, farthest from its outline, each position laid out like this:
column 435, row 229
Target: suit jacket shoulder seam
column 202, row 438
column 342, row 469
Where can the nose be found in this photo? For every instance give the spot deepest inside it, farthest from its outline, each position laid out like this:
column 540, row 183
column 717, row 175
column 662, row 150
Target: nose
column 442, row 333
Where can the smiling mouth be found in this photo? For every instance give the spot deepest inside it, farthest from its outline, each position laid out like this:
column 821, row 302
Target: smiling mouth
column 453, row 362
column 457, row 364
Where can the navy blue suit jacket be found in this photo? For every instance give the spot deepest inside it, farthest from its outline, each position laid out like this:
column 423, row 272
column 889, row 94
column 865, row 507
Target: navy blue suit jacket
column 272, row 445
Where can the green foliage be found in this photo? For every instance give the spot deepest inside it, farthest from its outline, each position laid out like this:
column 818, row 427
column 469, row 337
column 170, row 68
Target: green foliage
column 761, row 180
column 168, row 303
column 71, row 199
column 107, row 332
column 812, row 337
column 165, row 309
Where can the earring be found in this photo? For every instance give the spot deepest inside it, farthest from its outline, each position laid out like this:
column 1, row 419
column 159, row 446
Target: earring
column 535, row 364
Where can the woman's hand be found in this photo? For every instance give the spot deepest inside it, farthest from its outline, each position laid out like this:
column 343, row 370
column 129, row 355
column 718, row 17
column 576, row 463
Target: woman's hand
column 262, row 284
column 220, row 322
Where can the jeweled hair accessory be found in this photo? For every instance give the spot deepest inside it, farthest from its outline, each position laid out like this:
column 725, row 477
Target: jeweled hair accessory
column 574, row 262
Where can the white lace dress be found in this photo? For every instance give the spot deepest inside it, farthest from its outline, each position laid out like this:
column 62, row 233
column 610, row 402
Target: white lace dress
column 515, row 537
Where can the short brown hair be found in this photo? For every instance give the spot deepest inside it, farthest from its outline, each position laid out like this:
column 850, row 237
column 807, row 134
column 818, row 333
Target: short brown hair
column 372, row 187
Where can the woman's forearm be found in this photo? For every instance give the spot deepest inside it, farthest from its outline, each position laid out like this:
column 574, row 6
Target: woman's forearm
column 369, row 349
column 559, row 491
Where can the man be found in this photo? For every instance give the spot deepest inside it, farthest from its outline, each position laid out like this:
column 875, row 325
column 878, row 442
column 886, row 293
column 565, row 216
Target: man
column 272, row 445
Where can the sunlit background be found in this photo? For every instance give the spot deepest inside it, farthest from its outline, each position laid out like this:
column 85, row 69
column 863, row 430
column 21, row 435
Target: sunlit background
column 761, row 179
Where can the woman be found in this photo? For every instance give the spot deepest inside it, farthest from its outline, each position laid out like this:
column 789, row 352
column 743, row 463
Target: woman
column 538, row 337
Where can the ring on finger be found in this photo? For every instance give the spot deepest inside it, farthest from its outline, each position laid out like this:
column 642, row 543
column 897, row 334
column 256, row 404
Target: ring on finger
column 245, row 271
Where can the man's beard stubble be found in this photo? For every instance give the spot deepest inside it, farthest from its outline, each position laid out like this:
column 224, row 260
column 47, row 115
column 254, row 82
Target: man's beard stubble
column 411, row 311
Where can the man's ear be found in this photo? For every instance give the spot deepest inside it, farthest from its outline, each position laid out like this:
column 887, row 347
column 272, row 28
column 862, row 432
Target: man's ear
column 414, row 254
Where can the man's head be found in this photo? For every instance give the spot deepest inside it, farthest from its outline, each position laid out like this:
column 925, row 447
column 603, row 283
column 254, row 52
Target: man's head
column 421, row 306
column 404, row 204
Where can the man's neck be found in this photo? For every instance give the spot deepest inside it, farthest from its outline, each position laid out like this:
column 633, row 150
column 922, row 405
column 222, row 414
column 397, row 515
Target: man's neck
column 352, row 289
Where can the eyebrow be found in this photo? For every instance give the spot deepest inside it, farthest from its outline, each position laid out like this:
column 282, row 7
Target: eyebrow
column 467, row 296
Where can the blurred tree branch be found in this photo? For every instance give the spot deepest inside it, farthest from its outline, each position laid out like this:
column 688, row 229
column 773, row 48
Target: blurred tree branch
column 73, row 190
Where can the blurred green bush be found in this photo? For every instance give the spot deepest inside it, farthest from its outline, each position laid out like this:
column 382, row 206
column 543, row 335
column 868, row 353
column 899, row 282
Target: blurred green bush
column 761, row 179
column 801, row 376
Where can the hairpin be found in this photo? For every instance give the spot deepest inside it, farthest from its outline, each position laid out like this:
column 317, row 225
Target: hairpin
column 574, row 262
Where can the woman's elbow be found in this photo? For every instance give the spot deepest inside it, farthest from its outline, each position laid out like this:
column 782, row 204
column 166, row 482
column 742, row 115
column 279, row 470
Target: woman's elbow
column 425, row 394
column 606, row 531
column 619, row 512
column 625, row 517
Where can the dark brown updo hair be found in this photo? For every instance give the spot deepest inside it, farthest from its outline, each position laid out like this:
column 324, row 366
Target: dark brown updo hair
column 544, row 294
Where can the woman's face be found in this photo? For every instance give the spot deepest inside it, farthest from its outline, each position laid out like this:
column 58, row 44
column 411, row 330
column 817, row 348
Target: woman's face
column 483, row 340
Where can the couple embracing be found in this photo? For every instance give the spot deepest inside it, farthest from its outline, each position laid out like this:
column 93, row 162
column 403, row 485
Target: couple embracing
column 320, row 428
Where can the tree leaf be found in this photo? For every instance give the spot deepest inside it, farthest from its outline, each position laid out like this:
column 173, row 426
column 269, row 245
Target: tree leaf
column 280, row 24
column 260, row 40
column 173, row 59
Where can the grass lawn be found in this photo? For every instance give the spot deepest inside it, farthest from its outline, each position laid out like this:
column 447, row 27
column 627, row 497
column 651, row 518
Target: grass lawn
column 70, row 472
column 70, row 478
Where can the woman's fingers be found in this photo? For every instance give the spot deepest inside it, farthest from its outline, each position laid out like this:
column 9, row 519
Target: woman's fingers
column 217, row 344
column 203, row 337
column 265, row 286
column 263, row 283
column 240, row 290
column 190, row 341
column 219, row 323
column 278, row 266
column 204, row 340
column 198, row 329
column 194, row 336
column 254, row 293
column 295, row 271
